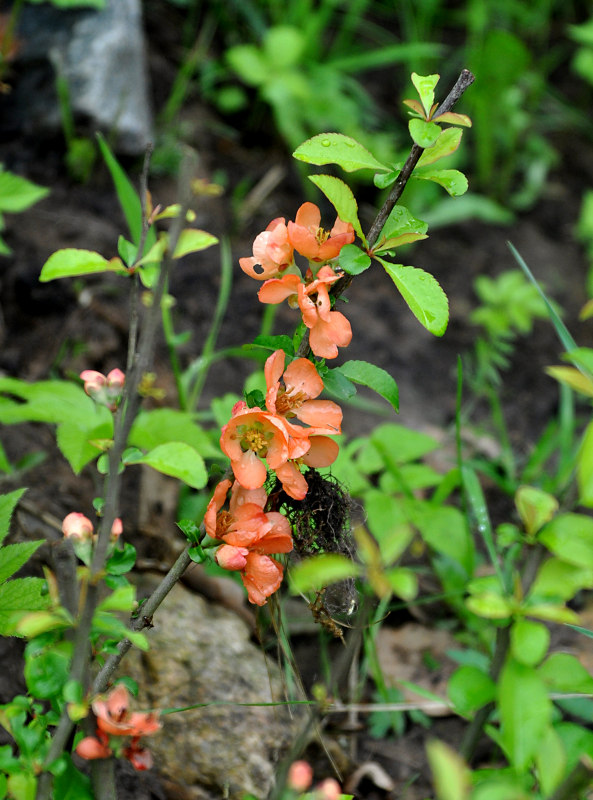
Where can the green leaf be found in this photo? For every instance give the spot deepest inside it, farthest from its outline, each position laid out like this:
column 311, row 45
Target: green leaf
column 338, row 384
column 13, row 556
column 374, row 377
column 529, row 642
column 163, row 425
column 8, row 503
column 283, row 46
column 423, row 294
column 388, row 523
column 550, row 762
column 454, row 182
column 400, row 223
column 452, row 778
column 74, row 440
column 126, row 251
column 72, row 784
column 424, row 134
column 585, row 468
column 20, row 595
column 341, row 197
column 122, row 599
column 22, row 785
column 179, row 460
column 46, row 671
column 445, row 529
column 469, row 689
column 192, row 240
column 249, row 64
column 525, row 712
column 127, row 196
column 557, row 580
column 35, row 623
column 18, row 194
column 570, row 537
column 403, row 582
column 314, row 573
column 551, row 612
column 445, row 145
column 563, row 672
column 121, row 561
column 535, row 507
column 490, row 605
column 335, row 148
column 70, row 262
column 281, row 342
column 425, row 86
column 402, row 444
column 48, row 401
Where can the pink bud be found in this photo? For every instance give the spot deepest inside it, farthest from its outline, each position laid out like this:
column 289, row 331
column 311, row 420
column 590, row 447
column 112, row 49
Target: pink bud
column 116, row 379
column 229, row 557
column 77, row 525
column 300, row 776
column 329, row 789
column 116, row 529
column 91, row 748
column 93, row 381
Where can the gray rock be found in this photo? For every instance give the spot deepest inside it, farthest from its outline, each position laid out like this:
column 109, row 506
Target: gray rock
column 101, row 55
column 200, row 653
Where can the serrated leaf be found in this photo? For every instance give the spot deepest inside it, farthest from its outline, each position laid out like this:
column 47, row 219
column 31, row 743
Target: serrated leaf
column 423, row 133
column 281, row 342
column 353, row 260
column 17, row 193
column 454, row 182
column 401, row 223
column 341, row 197
column 454, row 118
column 179, row 460
column 13, row 556
column 423, row 294
column 20, row 595
column 335, row 148
column 447, row 143
column 319, row 571
column 374, row 377
column 425, row 86
column 70, row 262
column 8, row 503
column 337, row 384
column 192, row 240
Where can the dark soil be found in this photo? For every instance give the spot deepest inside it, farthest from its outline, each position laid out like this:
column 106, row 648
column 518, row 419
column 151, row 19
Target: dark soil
column 60, row 328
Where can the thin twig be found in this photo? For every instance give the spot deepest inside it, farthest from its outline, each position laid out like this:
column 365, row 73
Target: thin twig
column 123, row 422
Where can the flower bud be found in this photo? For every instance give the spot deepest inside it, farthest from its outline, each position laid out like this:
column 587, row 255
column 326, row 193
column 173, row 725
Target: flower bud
column 300, row 776
column 78, row 526
column 230, row 557
column 329, row 789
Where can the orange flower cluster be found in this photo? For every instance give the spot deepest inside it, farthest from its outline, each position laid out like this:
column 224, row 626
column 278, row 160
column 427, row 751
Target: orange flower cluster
column 256, row 440
column 273, row 262
column 115, row 719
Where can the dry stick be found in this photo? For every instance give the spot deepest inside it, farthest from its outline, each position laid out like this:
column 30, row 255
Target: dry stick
column 465, row 80
column 123, row 423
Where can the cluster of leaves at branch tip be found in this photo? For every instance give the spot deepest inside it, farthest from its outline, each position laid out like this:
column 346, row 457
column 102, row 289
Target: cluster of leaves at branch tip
column 420, row 290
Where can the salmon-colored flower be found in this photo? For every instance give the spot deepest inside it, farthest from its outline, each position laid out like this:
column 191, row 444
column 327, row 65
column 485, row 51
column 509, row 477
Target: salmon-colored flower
column 272, row 252
column 329, row 789
column 139, row 757
column 104, row 389
column 312, row 241
column 250, row 437
column 328, row 329
column 249, row 534
column 115, row 718
column 296, row 398
column 91, row 748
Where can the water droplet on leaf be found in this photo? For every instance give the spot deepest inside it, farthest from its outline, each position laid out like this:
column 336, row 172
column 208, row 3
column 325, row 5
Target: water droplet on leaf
column 325, row 142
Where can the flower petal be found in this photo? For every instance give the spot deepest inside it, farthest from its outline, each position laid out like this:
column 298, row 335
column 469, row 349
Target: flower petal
column 323, row 452
column 293, row 482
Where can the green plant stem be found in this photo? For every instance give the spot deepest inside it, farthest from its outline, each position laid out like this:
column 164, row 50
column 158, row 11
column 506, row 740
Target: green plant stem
column 169, row 334
column 123, row 422
column 224, row 293
column 503, row 640
column 464, row 81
